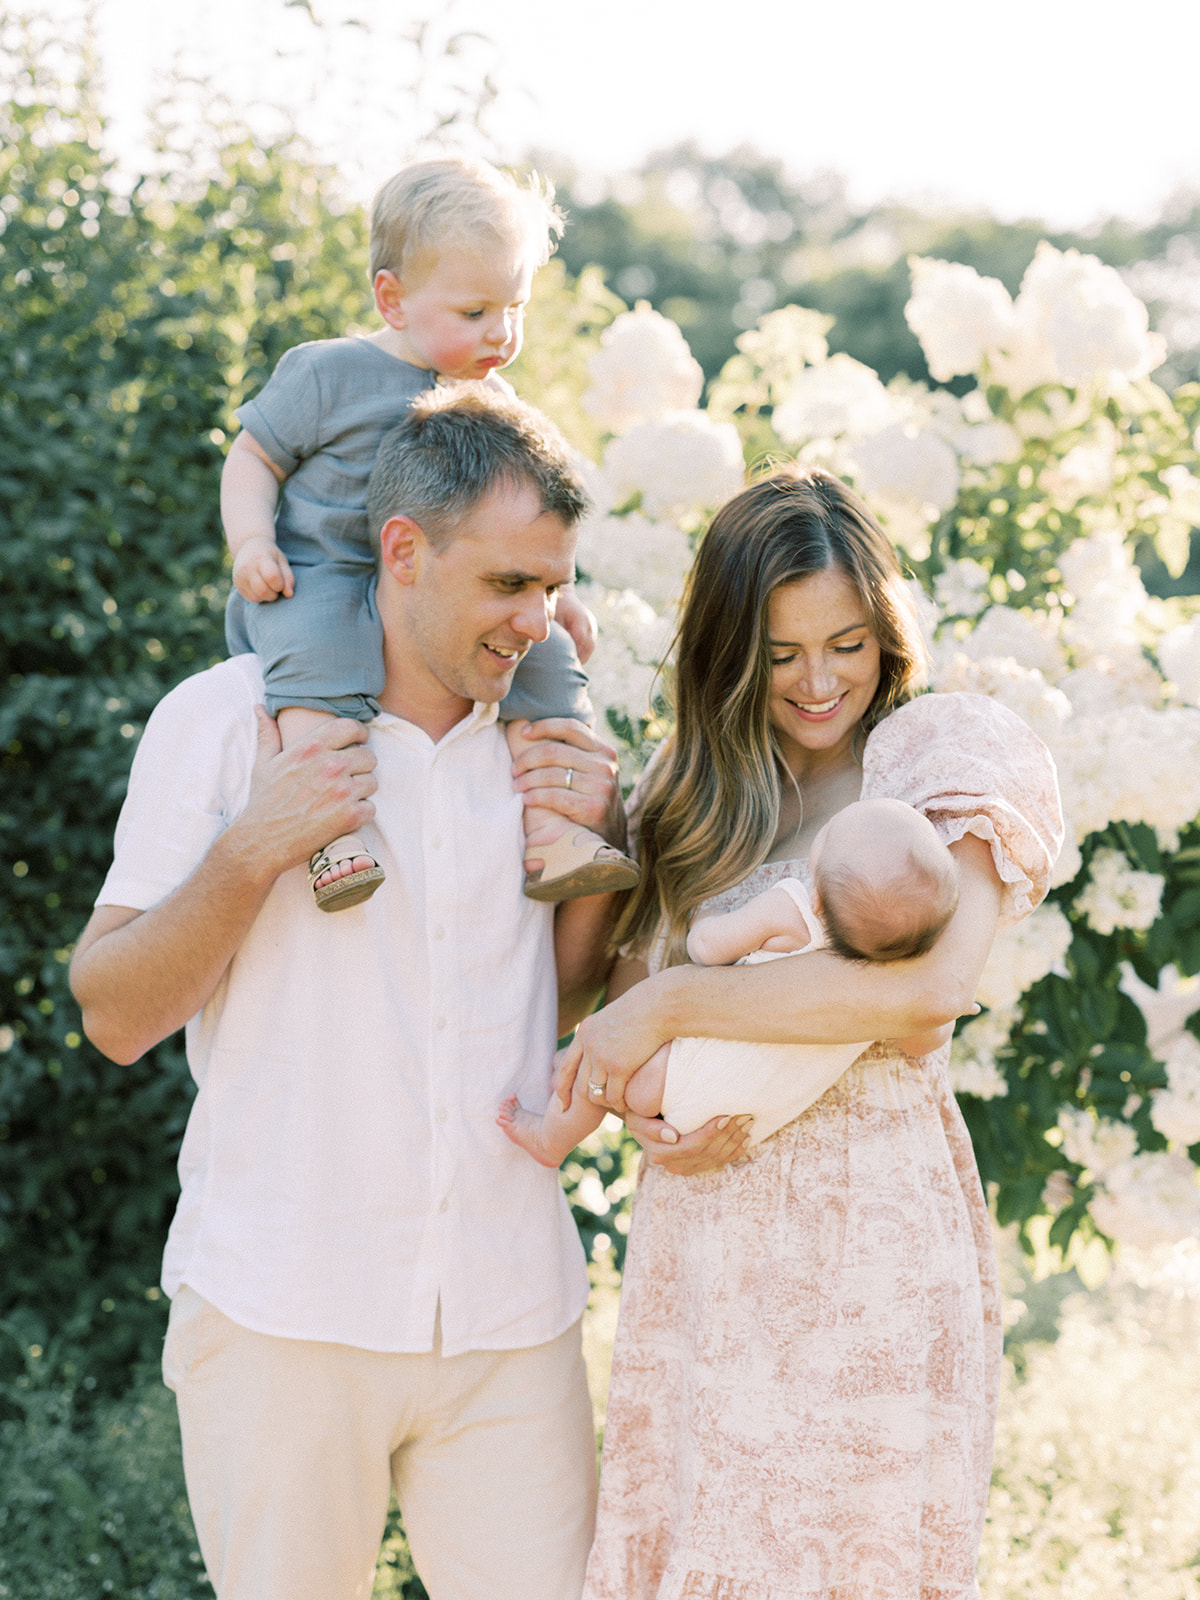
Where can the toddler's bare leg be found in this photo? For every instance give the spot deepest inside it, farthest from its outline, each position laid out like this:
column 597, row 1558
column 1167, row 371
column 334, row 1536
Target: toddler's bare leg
column 562, row 859
column 644, row 1091
column 297, row 723
column 553, row 1135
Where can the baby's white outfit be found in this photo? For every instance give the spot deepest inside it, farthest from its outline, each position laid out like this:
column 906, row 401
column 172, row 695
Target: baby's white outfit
column 729, row 1077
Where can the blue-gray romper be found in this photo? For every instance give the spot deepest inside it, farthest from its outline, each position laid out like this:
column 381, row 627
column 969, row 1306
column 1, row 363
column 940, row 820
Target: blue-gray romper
column 320, row 418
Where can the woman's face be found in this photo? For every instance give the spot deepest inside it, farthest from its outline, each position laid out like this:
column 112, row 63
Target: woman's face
column 824, row 666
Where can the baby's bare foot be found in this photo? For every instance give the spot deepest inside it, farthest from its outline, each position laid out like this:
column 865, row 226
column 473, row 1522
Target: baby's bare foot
column 525, row 1129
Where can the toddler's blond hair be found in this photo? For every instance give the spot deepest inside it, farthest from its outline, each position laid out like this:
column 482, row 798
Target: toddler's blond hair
column 455, row 201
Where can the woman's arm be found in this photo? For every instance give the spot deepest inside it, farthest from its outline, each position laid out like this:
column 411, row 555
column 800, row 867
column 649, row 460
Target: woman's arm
column 809, row 999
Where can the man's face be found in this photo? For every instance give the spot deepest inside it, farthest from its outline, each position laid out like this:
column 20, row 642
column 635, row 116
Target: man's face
column 475, row 607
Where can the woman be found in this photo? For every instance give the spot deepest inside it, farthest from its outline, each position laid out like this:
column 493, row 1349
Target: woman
column 806, row 1369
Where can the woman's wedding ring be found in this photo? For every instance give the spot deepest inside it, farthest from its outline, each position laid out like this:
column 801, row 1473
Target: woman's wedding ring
column 570, row 776
column 595, row 1088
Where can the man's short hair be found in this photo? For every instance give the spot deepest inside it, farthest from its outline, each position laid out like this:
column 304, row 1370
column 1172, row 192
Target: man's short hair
column 455, row 446
column 453, row 202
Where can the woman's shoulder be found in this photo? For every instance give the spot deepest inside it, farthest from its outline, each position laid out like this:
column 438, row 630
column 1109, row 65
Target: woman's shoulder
column 973, row 766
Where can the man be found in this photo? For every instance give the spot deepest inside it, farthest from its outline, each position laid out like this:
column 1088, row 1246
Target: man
column 369, row 1282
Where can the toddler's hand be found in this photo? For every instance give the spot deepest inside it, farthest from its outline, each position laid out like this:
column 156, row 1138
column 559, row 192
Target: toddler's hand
column 571, row 614
column 261, row 571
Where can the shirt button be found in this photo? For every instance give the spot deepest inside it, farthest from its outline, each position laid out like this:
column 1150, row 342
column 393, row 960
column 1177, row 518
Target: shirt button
column 440, row 1024
column 439, row 932
column 445, row 1206
column 443, row 1114
column 436, row 841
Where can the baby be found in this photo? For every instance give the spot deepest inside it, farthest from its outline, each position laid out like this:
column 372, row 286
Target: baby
column 884, row 886
column 454, row 248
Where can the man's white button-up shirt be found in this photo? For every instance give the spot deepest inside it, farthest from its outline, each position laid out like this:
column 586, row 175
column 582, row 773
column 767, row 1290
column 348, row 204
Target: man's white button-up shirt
column 342, row 1173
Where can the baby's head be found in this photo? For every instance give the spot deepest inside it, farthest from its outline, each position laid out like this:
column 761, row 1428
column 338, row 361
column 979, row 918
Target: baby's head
column 454, row 247
column 884, row 883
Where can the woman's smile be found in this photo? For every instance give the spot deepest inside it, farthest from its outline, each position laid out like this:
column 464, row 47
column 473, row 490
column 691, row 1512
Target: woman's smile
column 824, row 666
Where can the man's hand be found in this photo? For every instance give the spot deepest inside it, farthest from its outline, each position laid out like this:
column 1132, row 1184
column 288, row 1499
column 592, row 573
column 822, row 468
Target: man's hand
column 569, row 770
column 303, row 797
column 261, row 571
column 571, row 614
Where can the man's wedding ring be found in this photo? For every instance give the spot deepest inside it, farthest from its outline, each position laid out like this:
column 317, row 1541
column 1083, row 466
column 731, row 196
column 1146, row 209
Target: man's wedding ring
column 570, row 776
column 595, row 1088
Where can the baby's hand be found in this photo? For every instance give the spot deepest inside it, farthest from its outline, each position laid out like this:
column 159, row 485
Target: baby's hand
column 571, row 613
column 261, row 571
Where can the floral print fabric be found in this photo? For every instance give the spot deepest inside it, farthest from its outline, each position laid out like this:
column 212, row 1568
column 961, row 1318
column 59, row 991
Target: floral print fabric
column 807, row 1362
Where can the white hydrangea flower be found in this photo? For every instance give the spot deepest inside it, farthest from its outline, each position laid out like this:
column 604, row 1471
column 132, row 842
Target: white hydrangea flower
column 1095, row 1143
column 643, row 368
column 1070, row 860
column 1113, row 683
column 633, row 640
column 1184, row 487
column 1117, row 895
column 634, row 552
column 974, row 1068
column 682, row 461
column 1088, row 320
column 1165, row 1008
column 1087, row 469
column 839, row 397
column 957, row 315
column 1021, row 689
column 1179, row 658
column 1029, row 638
column 1057, row 1192
column 900, row 464
column 1175, row 1110
column 1148, row 1200
column 961, row 590
column 1108, row 597
column 1129, row 764
column 986, row 444
column 1023, row 953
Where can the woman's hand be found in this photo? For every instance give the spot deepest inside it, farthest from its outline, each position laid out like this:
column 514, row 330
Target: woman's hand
column 708, row 1149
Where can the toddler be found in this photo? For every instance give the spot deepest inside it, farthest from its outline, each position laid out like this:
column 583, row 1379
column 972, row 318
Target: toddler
column 454, row 247
column 885, row 886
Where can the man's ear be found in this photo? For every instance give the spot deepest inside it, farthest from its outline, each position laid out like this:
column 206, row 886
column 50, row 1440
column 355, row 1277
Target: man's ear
column 389, row 298
column 402, row 543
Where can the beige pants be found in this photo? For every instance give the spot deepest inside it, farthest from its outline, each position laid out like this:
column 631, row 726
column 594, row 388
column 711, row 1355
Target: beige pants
column 290, row 1448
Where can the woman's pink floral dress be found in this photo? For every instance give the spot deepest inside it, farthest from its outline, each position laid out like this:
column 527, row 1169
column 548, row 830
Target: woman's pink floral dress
column 807, row 1363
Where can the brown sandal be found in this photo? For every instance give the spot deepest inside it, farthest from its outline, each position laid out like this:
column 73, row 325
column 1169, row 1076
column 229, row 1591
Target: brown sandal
column 355, row 887
column 579, row 863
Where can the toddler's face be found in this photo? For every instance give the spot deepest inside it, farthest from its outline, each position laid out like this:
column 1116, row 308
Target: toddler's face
column 465, row 318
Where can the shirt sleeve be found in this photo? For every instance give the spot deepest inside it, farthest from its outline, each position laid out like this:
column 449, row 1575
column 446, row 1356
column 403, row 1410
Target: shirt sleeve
column 972, row 766
column 190, row 778
column 284, row 417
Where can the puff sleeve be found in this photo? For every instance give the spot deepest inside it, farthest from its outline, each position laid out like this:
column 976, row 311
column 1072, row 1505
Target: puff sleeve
column 972, row 766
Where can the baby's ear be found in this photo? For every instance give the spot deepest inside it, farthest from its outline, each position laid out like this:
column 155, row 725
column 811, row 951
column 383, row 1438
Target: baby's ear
column 389, row 297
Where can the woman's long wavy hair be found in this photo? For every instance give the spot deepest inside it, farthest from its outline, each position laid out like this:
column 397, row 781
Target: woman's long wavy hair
column 709, row 806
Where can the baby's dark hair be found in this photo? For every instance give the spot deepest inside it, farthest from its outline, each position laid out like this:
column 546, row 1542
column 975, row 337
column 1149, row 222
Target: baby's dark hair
column 893, row 918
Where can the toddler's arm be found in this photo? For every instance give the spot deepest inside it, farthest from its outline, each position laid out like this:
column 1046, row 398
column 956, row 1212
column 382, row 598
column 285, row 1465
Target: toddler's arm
column 771, row 921
column 249, row 489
